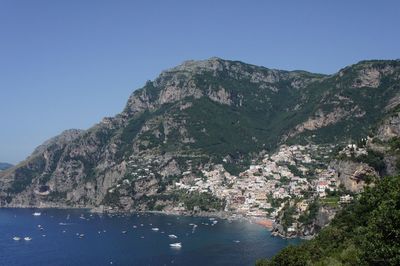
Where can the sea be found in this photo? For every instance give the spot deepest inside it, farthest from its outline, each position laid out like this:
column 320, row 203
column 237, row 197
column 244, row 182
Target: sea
column 78, row 237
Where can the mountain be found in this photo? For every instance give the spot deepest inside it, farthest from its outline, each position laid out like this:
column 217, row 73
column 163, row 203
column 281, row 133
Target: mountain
column 4, row 166
column 199, row 117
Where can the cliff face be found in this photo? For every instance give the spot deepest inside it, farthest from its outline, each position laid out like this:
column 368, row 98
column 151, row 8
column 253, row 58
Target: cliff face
column 199, row 114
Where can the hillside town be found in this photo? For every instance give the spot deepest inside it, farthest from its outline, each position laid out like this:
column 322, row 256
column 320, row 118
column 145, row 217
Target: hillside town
column 293, row 172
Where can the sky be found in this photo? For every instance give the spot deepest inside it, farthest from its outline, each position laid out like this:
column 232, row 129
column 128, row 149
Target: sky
column 67, row 64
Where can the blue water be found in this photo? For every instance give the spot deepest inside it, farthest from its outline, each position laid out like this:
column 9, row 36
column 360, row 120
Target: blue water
column 205, row 245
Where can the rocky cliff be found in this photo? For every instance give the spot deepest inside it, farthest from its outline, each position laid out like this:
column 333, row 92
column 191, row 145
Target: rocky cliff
column 197, row 115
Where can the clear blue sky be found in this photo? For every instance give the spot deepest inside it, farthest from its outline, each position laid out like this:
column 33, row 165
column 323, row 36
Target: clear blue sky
column 66, row 64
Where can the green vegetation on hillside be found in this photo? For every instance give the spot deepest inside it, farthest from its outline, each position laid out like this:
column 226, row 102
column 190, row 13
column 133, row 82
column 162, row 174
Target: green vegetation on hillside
column 367, row 232
column 25, row 174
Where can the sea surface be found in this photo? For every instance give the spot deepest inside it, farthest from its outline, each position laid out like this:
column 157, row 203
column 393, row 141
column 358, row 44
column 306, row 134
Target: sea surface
column 77, row 237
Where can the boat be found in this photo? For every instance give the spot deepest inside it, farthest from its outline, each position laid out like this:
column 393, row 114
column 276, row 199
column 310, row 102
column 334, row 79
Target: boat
column 37, row 214
column 27, row 238
column 172, row 236
column 134, row 226
column 176, row 245
column 16, row 238
column 124, row 232
column 236, row 241
column 155, row 229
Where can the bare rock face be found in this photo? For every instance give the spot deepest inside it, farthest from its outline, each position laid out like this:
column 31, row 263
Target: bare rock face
column 221, row 96
column 62, row 139
column 389, row 128
column 371, row 77
column 321, row 120
column 324, row 216
column 353, row 175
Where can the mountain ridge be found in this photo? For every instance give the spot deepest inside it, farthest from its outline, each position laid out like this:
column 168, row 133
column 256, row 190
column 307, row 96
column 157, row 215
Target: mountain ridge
column 195, row 116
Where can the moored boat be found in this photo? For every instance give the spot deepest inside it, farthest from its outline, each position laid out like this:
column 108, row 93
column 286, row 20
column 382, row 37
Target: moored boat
column 176, row 245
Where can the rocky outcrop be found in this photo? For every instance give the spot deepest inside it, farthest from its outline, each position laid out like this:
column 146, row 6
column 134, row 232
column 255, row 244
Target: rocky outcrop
column 60, row 140
column 389, row 128
column 353, row 175
column 371, row 76
column 320, row 120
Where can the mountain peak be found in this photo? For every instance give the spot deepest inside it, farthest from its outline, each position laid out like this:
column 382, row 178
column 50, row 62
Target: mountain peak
column 194, row 66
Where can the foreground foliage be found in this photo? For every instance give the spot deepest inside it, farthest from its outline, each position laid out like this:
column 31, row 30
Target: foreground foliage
column 366, row 232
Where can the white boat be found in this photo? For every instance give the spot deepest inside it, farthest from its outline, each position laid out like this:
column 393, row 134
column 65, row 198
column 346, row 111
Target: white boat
column 37, row 214
column 175, row 245
column 134, row 226
column 155, row 229
column 16, row 238
column 236, row 241
column 124, row 232
column 172, row 236
column 27, row 238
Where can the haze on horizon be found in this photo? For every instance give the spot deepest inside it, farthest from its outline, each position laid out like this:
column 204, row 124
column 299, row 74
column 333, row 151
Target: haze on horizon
column 69, row 64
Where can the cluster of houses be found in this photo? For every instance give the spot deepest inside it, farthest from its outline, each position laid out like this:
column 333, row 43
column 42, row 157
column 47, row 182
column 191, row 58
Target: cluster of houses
column 353, row 150
column 291, row 172
column 326, row 181
column 282, row 175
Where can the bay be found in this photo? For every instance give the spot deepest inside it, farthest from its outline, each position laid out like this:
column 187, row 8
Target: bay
column 77, row 237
